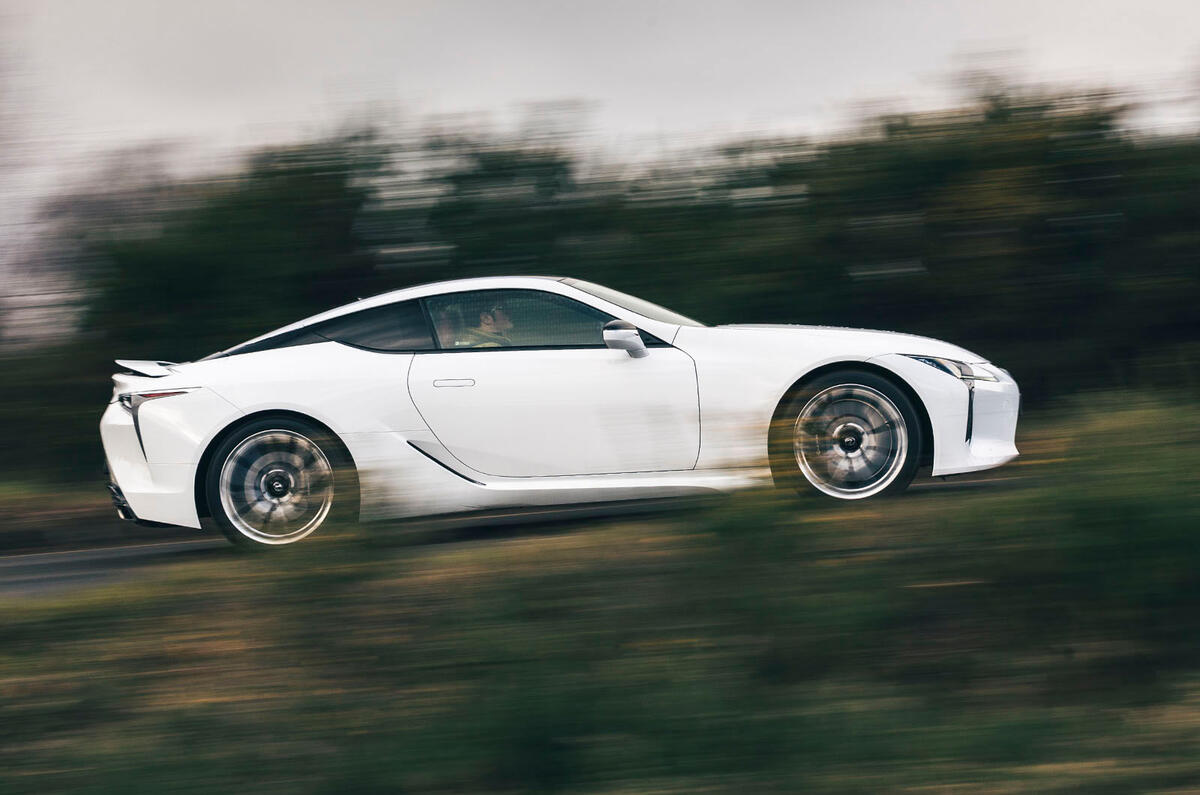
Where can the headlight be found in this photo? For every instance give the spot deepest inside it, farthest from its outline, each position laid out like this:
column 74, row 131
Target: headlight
column 960, row 370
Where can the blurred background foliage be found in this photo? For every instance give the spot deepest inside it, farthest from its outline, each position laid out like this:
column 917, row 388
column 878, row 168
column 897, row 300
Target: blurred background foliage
column 1029, row 226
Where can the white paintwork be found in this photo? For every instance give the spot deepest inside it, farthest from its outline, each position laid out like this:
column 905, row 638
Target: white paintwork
column 532, row 427
column 996, row 405
column 540, row 413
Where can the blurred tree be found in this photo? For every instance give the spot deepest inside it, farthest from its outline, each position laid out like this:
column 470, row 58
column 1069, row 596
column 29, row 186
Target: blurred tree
column 221, row 260
column 503, row 209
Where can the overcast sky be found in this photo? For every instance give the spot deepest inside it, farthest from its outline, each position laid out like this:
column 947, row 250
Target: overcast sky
column 223, row 72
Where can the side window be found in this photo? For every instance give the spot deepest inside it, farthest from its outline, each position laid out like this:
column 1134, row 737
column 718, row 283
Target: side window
column 392, row 327
column 514, row 319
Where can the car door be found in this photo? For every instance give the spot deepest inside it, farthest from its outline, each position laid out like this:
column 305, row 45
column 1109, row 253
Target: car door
column 523, row 386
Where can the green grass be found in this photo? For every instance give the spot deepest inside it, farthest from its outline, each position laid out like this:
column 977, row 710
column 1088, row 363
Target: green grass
column 1033, row 637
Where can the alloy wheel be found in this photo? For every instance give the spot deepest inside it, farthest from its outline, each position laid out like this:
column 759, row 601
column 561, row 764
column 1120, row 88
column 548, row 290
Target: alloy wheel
column 276, row 486
column 850, row 441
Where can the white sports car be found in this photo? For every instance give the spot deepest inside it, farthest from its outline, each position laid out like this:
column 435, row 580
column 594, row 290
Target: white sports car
column 519, row 391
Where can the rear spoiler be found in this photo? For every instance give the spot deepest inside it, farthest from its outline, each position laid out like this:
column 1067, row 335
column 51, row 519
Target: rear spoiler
column 145, row 367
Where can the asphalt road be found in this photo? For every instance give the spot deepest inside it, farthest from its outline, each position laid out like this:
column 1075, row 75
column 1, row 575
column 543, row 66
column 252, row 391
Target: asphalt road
column 43, row 574
column 46, row 573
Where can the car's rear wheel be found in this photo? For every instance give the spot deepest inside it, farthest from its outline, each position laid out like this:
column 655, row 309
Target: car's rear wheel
column 275, row 482
column 849, row 435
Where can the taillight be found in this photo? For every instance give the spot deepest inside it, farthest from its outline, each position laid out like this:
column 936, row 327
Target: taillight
column 131, row 400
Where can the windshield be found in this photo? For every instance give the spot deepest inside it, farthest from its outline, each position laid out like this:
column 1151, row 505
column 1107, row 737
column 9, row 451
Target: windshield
column 643, row 308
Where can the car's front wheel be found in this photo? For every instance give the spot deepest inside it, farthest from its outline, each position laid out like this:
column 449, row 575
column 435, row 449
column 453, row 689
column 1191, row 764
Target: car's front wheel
column 274, row 482
column 850, row 435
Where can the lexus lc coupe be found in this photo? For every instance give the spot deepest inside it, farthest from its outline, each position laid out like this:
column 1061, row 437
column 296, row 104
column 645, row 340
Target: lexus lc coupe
column 522, row 391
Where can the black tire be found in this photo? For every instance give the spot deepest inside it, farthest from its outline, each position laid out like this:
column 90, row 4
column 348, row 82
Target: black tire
column 273, row 482
column 848, row 434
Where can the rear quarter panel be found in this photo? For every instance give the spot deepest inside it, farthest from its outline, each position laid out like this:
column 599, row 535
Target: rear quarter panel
column 362, row 396
column 348, row 389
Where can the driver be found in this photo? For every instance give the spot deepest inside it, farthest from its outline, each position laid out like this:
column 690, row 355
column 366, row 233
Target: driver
column 492, row 331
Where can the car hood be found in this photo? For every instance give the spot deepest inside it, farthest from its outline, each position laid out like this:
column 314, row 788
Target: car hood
column 867, row 342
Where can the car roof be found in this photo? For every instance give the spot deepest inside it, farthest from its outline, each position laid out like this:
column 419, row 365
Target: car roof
column 448, row 286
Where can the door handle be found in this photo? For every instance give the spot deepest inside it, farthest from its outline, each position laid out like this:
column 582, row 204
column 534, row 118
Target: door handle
column 440, row 382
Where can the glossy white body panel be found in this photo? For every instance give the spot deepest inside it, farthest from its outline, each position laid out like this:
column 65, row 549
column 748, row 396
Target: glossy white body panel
column 541, row 413
column 156, row 491
column 509, row 427
column 995, row 409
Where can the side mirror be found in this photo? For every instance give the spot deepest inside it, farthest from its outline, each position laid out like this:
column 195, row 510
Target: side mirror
column 622, row 335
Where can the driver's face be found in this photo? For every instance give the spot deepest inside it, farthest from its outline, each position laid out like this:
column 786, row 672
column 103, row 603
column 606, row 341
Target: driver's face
column 500, row 319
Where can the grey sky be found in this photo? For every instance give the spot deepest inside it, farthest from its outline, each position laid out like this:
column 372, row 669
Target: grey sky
column 221, row 71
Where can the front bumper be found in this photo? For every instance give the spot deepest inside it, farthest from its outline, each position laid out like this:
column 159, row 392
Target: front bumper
column 989, row 434
column 974, row 427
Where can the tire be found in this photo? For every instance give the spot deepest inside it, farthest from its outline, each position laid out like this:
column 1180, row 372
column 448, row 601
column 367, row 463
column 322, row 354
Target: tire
column 275, row 481
column 849, row 435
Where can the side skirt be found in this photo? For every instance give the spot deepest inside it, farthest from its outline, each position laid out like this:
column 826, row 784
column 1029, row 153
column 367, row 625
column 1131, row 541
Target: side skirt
column 588, row 488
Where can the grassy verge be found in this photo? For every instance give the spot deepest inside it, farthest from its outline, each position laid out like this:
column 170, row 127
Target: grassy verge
column 1039, row 637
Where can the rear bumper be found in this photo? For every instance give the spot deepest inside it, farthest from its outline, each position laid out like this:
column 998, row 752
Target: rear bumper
column 120, row 503
column 142, row 491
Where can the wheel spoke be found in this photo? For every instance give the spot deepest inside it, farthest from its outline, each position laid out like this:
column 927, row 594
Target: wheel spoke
column 875, row 460
column 248, row 508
